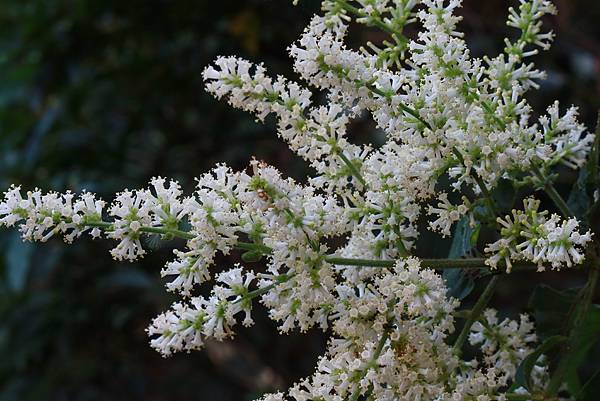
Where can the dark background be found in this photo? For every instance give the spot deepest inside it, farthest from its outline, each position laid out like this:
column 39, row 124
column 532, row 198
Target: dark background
column 104, row 94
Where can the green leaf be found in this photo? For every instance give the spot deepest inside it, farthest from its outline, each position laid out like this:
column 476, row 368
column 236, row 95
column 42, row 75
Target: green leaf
column 464, row 239
column 553, row 310
column 523, row 375
column 152, row 241
column 588, row 336
column 461, row 239
column 573, row 381
column 475, row 235
column 458, row 283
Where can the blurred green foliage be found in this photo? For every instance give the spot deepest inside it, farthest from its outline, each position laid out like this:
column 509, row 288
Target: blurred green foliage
column 102, row 95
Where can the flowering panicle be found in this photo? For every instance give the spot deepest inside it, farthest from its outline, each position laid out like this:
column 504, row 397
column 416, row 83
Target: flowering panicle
column 214, row 219
column 43, row 215
column 528, row 21
column 316, row 134
column 533, row 236
column 186, row 325
column 337, row 248
column 131, row 211
column 566, row 136
column 389, row 342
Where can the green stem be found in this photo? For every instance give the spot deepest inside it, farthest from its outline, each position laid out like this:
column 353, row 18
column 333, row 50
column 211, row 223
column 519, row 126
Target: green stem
column 282, row 278
column 372, row 362
column 518, row 397
column 473, row 263
column 352, row 168
column 401, row 106
column 553, row 193
column 107, row 226
column 250, row 246
column 477, row 310
column 167, row 231
column 359, row 262
column 375, row 22
column 584, row 299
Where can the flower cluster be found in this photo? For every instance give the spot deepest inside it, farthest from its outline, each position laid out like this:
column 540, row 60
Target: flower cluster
column 43, row 215
column 533, row 236
column 337, row 250
column 390, row 344
column 185, row 326
column 504, row 344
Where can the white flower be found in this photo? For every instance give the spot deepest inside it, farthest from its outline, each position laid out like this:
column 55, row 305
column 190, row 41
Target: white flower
column 190, row 268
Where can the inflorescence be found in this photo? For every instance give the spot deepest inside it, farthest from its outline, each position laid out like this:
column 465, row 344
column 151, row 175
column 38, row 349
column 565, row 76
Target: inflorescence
column 445, row 114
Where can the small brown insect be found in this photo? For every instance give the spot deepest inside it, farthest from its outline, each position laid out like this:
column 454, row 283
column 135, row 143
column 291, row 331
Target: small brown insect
column 263, row 195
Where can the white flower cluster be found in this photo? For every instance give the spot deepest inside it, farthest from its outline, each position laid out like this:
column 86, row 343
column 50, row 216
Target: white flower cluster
column 185, row 326
column 504, row 344
column 317, row 133
column 448, row 214
column 43, row 215
column 444, row 114
column 390, row 344
column 531, row 235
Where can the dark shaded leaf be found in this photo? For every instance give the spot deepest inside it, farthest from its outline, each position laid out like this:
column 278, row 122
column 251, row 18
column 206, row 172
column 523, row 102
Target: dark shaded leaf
column 553, row 311
column 579, row 201
column 152, row 241
column 464, row 239
column 551, row 308
column 504, row 195
column 523, row 375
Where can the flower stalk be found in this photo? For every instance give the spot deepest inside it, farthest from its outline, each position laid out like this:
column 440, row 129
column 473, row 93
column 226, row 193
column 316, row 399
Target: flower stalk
column 475, row 313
